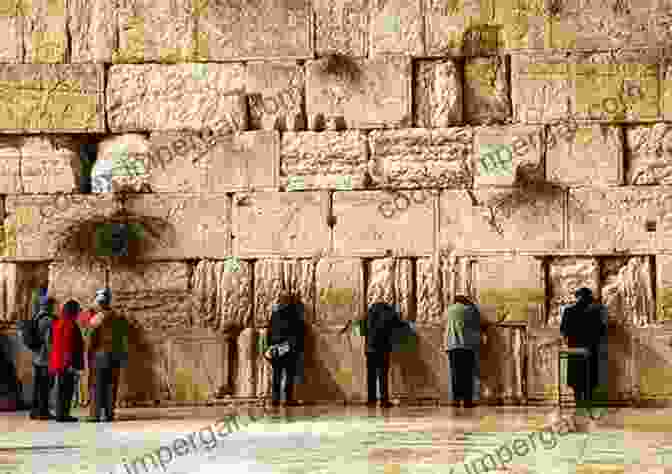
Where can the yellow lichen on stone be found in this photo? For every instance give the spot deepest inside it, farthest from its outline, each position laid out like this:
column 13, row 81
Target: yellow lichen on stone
column 512, row 304
column 551, row 390
column 48, row 47
column 135, row 51
column 186, row 389
column 482, row 74
column 557, row 36
column 10, row 8
column 664, row 298
column 600, row 469
column 200, row 51
column 8, row 239
column 656, row 382
column 56, row 8
column 344, row 376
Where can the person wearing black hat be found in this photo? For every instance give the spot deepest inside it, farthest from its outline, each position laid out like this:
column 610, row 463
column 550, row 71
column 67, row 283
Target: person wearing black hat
column 583, row 326
column 42, row 380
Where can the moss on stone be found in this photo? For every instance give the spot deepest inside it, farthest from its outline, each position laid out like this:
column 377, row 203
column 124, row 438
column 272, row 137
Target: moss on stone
column 664, row 304
column 512, row 304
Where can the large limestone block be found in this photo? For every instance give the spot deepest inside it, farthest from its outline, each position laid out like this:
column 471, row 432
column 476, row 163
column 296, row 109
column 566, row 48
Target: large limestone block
column 8, row 273
column 514, row 286
column 121, row 163
column 176, row 97
column 486, row 91
column 245, row 384
column 666, row 85
column 255, row 30
column 50, row 164
column 78, row 281
column 212, row 163
column 345, row 276
column 222, row 295
column 543, row 346
column 435, row 287
column 438, row 93
column 20, row 280
column 663, row 287
column 566, row 275
column 627, row 290
column 293, row 224
column 397, row 28
column 649, row 153
column 324, row 159
column 275, row 95
column 52, row 98
column 37, row 220
column 92, row 27
column 200, row 226
column 341, row 26
column 10, row 165
column 385, row 231
column 364, row 94
column 502, row 377
column 521, row 25
column 148, row 377
column 584, row 155
column 11, row 22
column 653, row 358
column 494, row 147
column 272, row 275
column 422, row 156
column 155, row 31
column 264, row 371
column 521, row 222
column 391, row 281
column 45, row 35
column 628, row 217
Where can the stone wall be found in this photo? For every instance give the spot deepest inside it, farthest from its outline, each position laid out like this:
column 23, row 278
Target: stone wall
column 345, row 150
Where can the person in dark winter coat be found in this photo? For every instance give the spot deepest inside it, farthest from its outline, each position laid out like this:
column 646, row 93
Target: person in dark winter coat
column 583, row 326
column 42, row 381
column 383, row 319
column 286, row 326
column 66, row 358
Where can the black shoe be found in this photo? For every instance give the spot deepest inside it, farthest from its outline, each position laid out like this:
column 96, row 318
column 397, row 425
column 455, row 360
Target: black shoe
column 386, row 404
column 67, row 419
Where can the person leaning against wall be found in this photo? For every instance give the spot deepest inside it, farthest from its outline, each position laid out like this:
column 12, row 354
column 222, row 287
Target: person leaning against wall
column 462, row 344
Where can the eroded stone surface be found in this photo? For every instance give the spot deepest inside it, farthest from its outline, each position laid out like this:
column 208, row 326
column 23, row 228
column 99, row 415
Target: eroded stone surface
column 649, row 152
column 255, row 30
column 431, row 292
column 584, row 155
column 51, row 98
column 50, row 164
column 92, row 28
column 10, row 162
column 663, row 287
column 275, row 95
column 11, row 22
column 362, row 94
column 542, row 365
column 627, row 290
column 502, row 377
column 382, row 233
column 422, row 157
column 245, row 379
column 437, row 90
column 620, row 218
column 299, row 278
column 307, row 154
column 264, row 370
column 198, row 224
column 566, row 275
column 76, row 280
column 20, row 280
column 142, row 97
column 292, row 224
column 121, row 164
column 514, row 285
column 340, row 274
column 396, row 28
column 45, row 31
column 526, row 222
column 522, row 24
column 341, row 26
column 390, row 281
column 486, row 92
column 653, row 355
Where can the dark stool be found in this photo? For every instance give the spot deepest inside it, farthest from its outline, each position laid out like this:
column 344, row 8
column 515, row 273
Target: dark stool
column 572, row 353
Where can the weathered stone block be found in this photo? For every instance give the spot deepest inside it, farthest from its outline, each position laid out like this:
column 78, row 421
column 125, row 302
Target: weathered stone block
column 584, row 155
column 649, row 152
column 653, row 357
column 255, row 30
column 502, row 153
column 384, row 231
column 502, row 377
column 50, row 164
column 190, row 162
column 422, row 157
column 522, row 222
column 245, row 378
column 291, row 224
column 92, row 26
column 264, row 369
column 200, row 227
column 391, row 281
column 543, row 346
column 364, row 94
column 663, row 288
column 10, row 163
column 8, row 279
column 340, row 274
column 566, row 275
column 222, row 298
column 194, row 96
column 397, row 28
column 20, row 280
column 51, row 98
column 275, row 95
column 11, row 22
column 435, row 284
column 666, row 82
column 627, row 290
column 121, row 163
column 307, row 155
column 299, row 277
column 78, row 281
column 514, row 285
column 438, row 93
column 620, row 218
column 486, row 92
column 341, row 26
column 523, row 25
column 150, row 375
column 45, row 31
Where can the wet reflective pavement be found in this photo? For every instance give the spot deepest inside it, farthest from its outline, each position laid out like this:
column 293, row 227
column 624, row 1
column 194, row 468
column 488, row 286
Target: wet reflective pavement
column 337, row 439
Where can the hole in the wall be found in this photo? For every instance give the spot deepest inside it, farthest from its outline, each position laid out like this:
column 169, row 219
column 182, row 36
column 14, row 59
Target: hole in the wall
column 87, row 157
column 650, row 226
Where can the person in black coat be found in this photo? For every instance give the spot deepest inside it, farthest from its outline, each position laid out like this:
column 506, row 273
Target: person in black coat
column 382, row 321
column 286, row 326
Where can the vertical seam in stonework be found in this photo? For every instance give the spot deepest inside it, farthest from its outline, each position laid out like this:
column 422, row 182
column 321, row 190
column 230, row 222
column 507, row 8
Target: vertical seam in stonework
column 68, row 35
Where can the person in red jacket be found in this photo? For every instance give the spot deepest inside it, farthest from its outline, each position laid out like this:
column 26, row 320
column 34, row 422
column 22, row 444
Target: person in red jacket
column 66, row 357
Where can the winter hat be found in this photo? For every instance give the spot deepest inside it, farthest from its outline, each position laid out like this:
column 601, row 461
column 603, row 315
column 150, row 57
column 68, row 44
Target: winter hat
column 103, row 296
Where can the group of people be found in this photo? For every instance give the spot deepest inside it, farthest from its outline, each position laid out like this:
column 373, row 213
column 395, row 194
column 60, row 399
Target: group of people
column 95, row 340
column 583, row 326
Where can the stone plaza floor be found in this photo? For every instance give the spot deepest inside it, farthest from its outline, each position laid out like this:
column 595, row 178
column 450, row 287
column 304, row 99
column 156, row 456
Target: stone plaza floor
column 338, row 439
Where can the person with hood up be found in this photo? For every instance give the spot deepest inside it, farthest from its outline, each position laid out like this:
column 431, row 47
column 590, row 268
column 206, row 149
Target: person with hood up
column 382, row 321
column 109, row 343
column 286, row 334
column 66, row 358
column 583, row 326
column 42, row 380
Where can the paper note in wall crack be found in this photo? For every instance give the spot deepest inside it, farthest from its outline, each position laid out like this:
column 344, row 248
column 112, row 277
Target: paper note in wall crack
column 232, row 264
column 495, row 160
column 199, row 71
column 295, row 183
column 344, row 183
